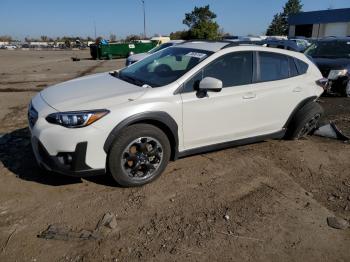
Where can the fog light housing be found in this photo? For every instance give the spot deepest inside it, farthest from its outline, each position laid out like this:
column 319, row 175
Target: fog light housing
column 65, row 158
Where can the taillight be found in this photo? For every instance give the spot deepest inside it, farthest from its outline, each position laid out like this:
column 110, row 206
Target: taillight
column 323, row 82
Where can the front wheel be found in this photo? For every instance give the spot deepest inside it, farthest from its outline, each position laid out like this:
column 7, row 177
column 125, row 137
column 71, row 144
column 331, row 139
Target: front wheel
column 139, row 155
column 305, row 121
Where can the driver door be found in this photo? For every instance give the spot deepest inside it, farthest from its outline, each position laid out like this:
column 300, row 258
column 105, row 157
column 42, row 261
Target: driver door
column 220, row 116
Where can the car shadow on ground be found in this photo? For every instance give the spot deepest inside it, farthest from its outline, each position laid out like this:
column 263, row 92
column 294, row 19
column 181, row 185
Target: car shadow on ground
column 17, row 156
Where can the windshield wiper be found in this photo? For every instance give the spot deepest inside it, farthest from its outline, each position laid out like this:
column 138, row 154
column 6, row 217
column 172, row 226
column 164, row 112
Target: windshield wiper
column 131, row 80
column 114, row 73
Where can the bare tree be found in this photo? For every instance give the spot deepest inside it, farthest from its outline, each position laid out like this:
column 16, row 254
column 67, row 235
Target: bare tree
column 130, row 38
column 112, row 37
column 43, row 38
column 5, row 38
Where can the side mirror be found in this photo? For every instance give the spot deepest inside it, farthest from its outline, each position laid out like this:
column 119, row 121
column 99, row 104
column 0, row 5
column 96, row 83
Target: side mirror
column 210, row 84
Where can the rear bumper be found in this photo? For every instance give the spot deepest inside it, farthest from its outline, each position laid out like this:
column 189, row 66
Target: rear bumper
column 75, row 166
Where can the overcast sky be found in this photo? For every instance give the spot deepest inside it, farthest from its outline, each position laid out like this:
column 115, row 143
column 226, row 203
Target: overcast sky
column 20, row 18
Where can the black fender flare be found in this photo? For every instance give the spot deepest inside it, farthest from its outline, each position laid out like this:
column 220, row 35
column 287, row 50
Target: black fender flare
column 160, row 119
column 304, row 102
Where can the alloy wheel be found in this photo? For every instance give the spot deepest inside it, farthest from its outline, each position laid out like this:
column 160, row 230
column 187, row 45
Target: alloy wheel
column 310, row 126
column 142, row 158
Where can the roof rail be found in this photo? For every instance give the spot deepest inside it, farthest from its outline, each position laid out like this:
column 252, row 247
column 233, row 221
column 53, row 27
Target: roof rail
column 227, row 42
column 208, row 41
column 242, row 43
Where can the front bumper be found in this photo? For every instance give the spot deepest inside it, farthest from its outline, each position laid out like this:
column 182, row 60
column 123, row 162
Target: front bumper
column 76, row 165
column 339, row 86
column 69, row 151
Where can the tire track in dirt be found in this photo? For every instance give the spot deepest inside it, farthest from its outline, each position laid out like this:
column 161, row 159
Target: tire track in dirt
column 90, row 69
column 13, row 90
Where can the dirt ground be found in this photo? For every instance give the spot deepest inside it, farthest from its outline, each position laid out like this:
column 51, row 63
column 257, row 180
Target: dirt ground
column 263, row 202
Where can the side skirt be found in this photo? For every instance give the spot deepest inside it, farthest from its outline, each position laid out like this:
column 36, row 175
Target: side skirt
column 241, row 142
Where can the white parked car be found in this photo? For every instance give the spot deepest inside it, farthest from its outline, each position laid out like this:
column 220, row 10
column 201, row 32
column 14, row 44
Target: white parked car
column 194, row 97
column 137, row 57
column 10, row 47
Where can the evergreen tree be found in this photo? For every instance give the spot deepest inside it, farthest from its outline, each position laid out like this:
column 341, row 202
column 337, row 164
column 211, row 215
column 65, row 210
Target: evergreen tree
column 276, row 27
column 291, row 7
column 279, row 24
column 201, row 23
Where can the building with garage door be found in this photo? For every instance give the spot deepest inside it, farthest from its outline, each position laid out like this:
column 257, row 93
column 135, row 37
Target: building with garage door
column 318, row 24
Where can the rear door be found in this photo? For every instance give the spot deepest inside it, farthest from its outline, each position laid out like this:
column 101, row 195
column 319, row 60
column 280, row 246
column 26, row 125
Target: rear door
column 278, row 89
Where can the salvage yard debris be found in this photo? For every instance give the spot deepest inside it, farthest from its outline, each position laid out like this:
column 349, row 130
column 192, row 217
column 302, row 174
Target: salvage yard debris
column 106, row 225
column 59, row 232
column 337, row 223
column 331, row 131
column 75, row 59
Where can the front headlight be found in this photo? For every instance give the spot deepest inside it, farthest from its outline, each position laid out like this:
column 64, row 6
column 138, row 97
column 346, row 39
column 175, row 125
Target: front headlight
column 335, row 74
column 76, row 119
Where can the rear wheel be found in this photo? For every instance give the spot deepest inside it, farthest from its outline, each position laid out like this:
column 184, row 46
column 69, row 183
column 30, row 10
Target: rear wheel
column 305, row 121
column 139, row 155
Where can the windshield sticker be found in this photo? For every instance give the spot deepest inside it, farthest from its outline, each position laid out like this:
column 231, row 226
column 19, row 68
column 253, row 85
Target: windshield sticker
column 196, row 55
column 348, row 43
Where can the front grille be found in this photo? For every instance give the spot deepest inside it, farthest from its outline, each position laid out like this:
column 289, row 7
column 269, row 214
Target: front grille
column 32, row 115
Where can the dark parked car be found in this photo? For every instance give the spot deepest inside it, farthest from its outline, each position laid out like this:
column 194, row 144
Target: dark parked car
column 291, row 45
column 332, row 56
column 284, row 44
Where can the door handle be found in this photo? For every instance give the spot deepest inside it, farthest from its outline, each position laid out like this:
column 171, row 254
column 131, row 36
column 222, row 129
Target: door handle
column 297, row 89
column 249, row 95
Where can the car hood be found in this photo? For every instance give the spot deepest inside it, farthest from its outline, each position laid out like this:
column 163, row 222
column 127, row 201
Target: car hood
column 91, row 92
column 138, row 57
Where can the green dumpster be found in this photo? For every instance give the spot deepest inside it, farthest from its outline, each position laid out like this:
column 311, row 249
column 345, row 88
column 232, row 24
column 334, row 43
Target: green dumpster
column 120, row 50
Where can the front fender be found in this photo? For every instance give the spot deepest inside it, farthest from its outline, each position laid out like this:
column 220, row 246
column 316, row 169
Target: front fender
column 160, row 119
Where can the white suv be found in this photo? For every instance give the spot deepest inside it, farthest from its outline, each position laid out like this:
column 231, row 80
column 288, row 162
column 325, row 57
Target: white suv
column 194, row 97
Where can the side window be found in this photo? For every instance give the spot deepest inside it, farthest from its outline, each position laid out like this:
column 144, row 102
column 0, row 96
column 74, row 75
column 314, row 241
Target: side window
column 302, row 66
column 273, row 66
column 293, row 71
column 233, row 69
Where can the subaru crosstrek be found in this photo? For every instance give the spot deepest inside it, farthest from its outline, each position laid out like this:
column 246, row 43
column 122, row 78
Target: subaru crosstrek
column 194, row 97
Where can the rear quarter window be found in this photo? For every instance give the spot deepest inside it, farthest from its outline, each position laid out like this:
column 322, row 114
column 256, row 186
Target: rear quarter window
column 293, row 70
column 302, row 67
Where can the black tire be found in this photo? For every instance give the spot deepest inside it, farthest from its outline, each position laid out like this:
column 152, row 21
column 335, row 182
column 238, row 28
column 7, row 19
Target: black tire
column 305, row 121
column 117, row 153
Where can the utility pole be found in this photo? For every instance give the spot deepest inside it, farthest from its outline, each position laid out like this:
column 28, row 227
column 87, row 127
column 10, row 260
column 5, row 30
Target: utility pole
column 144, row 19
column 95, row 28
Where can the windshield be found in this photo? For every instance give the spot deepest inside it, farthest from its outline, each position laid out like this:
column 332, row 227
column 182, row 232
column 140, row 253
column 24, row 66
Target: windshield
column 163, row 67
column 160, row 47
column 300, row 43
column 330, row 49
